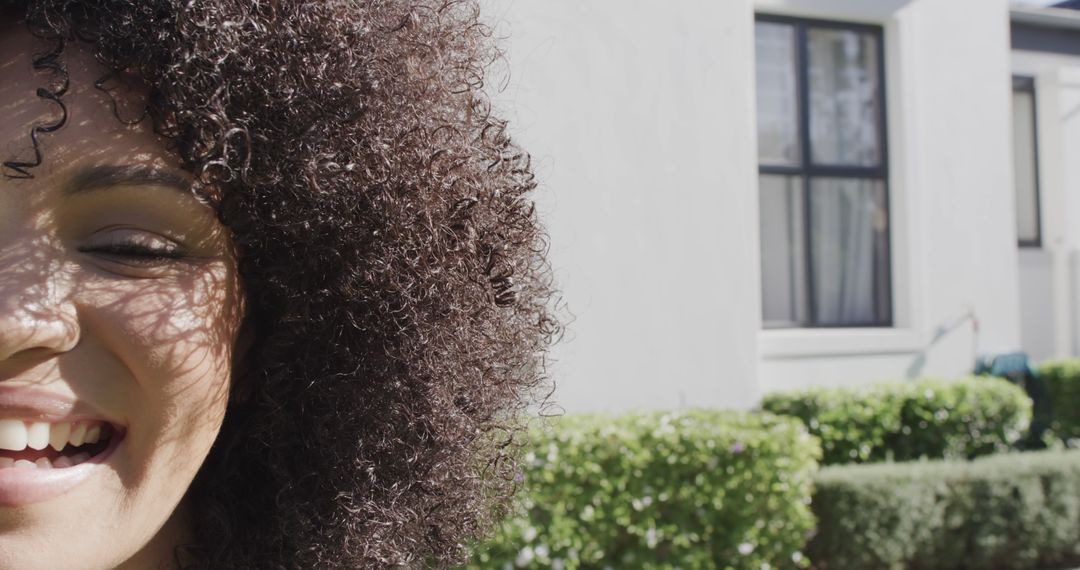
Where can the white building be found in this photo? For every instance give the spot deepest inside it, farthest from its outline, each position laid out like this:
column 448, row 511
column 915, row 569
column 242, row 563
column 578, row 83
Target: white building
column 753, row 195
column 1046, row 110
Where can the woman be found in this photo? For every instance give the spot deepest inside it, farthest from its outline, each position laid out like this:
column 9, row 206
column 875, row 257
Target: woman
column 271, row 293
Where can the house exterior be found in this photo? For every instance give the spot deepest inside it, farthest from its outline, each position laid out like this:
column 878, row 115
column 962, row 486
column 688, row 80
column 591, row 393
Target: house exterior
column 1046, row 111
column 756, row 195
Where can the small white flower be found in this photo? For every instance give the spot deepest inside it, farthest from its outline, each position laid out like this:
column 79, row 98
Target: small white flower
column 746, row 548
column 529, row 534
column 524, row 557
column 651, row 538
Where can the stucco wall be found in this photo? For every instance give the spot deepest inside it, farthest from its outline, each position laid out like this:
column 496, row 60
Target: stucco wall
column 640, row 119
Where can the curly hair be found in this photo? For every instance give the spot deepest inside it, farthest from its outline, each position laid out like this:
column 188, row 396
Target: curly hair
column 394, row 267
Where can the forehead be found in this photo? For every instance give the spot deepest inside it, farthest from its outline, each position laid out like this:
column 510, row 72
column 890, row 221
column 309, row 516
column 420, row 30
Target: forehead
column 93, row 134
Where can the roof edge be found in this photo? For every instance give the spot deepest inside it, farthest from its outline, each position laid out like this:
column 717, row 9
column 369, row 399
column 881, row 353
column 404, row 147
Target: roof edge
column 1061, row 18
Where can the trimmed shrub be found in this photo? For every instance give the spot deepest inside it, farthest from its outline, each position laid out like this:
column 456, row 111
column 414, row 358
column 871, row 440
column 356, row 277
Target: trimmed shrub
column 1009, row 511
column 903, row 421
column 695, row 489
column 1062, row 381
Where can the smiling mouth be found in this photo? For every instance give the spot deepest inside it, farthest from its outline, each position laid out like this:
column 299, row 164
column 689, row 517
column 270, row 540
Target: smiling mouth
column 44, row 445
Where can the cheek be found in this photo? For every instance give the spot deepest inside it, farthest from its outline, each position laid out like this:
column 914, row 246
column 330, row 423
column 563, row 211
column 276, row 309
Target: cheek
column 174, row 338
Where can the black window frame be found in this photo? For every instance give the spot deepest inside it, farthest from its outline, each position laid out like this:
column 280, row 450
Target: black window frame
column 1026, row 84
column 807, row 170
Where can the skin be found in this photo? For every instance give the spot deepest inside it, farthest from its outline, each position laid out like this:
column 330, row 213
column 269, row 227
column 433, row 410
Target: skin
column 144, row 340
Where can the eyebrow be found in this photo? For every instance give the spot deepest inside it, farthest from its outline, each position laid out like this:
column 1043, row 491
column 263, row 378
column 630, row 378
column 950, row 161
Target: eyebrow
column 110, row 176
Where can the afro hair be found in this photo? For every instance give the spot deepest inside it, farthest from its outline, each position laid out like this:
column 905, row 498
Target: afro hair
column 394, row 267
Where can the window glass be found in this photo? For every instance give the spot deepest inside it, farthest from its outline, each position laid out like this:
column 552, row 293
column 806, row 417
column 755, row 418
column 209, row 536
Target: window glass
column 849, row 229
column 1025, row 179
column 824, row 235
column 783, row 260
column 843, row 82
column 777, row 100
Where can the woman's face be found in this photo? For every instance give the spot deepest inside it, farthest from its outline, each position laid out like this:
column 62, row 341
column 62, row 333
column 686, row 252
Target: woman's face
column 119, row 311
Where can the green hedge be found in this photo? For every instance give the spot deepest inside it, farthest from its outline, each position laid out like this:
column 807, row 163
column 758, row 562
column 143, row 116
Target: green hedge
column 1062, row 381
column 694, row 489
column 1008, row 511
column 907, row 420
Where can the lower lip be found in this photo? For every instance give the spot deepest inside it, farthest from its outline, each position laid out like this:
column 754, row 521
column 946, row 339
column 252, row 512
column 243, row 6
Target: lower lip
column 25, row 486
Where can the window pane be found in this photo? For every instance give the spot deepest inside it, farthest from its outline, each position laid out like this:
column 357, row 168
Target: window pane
column 777, row 94
column 783, row 252
column 1024, row 167
column 850, row 251
column 844, row 82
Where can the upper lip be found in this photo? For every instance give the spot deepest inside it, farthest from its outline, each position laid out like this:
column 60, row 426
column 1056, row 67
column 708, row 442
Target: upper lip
column 35, row 404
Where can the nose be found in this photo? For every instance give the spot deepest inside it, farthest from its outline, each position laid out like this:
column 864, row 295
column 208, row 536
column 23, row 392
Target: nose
column 37, row 315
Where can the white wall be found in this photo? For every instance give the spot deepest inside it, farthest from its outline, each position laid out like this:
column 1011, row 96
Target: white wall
column 640, row 117
column 954, row 246
column 1038, row 335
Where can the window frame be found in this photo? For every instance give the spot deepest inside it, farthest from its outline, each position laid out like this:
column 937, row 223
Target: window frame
column 1026, row 84
column 807, row 170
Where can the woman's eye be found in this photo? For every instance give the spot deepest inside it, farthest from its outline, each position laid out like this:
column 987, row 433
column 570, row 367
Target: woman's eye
column 134, row 248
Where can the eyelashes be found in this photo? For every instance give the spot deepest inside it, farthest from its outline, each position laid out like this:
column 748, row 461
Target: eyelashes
column 135, row 251
column 134, row 248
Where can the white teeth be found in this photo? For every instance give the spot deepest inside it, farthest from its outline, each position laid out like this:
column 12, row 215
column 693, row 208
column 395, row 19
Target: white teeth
column 58, row 435
column 61, row 462
column 17, row 435
column 93, row 434
column 12, row 435
column 24, row 464
column 78, row 434
column 37, row 435
column 43, row 463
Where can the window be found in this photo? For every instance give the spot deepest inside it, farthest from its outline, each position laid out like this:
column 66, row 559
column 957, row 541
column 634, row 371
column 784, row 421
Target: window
column 823, row 174
column 1025, row 163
